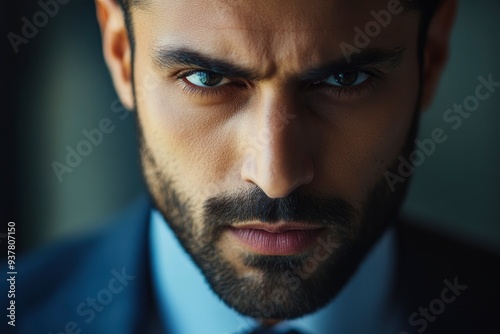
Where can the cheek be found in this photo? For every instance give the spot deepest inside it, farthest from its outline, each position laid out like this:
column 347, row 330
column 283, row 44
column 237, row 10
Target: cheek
column 192, row 146
column 365, row 139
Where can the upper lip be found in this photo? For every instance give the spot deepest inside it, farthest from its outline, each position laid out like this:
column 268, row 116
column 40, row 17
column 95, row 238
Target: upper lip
column 278, row 227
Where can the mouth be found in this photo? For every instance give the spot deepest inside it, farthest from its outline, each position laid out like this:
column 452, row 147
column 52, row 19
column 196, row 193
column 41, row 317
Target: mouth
column 283, row 238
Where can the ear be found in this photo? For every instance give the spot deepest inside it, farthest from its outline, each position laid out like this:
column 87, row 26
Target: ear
column 116, row 48
column 436, row 49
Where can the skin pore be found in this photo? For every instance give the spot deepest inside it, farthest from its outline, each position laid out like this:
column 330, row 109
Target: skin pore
column 254, row 116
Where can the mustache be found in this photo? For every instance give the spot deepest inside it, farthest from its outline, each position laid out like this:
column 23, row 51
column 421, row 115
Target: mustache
column 298, row 206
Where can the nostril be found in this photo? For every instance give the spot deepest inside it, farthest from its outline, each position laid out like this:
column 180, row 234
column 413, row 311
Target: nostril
column 309, row 174
column 277, row 180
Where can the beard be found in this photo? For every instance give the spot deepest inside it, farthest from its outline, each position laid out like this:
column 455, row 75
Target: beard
column 283, row 287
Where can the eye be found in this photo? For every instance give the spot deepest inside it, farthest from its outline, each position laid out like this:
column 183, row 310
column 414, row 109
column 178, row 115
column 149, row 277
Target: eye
column 206, row 78
column 346, row 79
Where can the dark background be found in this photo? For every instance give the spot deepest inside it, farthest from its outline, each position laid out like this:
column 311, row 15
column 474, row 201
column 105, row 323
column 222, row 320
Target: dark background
column 57, row 85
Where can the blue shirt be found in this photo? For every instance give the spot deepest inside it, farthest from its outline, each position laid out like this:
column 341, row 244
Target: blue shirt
column 188, row 305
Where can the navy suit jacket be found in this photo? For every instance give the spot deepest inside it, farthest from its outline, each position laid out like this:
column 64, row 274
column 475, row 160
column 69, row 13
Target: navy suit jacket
column 101, row 283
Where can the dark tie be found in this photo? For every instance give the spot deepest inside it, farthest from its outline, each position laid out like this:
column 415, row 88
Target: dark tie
column 270, row 330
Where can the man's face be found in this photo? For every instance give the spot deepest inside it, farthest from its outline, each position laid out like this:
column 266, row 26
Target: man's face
column 264, row 148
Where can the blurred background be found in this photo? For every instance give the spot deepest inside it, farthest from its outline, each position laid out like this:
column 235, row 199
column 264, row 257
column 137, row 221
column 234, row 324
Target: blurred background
column 57, row 86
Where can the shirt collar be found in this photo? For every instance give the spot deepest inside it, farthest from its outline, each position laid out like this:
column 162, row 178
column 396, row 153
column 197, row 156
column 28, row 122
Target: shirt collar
column 188, row 305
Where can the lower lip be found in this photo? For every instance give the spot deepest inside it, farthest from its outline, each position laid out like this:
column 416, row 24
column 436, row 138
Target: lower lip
column 283, row 243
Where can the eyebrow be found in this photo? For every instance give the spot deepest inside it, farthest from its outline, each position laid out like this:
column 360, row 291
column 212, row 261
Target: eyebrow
column 374, row 57
column 169, row 58
column 387, row 58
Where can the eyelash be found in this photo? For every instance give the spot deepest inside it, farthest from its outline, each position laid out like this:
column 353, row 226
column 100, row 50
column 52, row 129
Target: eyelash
column 192, row 90
column 335, row 91
column 338, row 92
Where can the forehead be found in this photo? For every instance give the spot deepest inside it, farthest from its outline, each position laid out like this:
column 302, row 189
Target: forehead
column 256, row 31
column 289, row 13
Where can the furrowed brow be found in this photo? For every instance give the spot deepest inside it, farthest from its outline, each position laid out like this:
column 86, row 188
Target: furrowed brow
column 171, row 58
column 369, row 58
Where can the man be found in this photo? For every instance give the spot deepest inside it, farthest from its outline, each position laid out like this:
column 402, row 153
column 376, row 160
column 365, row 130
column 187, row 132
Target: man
column 272, row 134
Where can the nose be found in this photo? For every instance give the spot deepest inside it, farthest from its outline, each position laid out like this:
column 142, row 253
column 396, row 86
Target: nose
column 278, row 156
